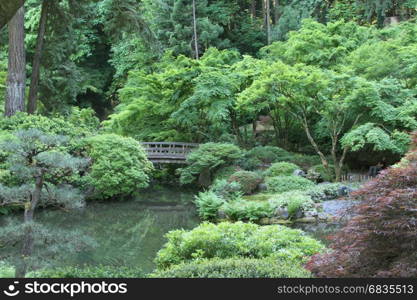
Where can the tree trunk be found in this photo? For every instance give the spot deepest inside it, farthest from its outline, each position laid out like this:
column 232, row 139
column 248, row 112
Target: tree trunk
column 28, row 239
column 16, row 80
column 268, row 20
column 197, row 55
column 8, row 9
column 314, row 144
column 276, row 14
column 34, row 81
column 253, row 9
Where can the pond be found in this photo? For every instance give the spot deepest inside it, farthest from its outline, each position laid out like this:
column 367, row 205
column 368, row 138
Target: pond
column 127, row 233
column 130, row 233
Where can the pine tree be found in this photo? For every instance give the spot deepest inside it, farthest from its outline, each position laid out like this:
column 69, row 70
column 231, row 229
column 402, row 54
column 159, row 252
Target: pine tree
column 42, row 171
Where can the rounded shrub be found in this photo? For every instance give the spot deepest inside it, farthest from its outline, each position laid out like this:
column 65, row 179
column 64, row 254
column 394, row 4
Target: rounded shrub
column 281, row 169
column 281, row 184
column 71, row 127
column 227, row 240
column 248, row 180
column 89, row 272
column 262, row 155
column 234, row 268
column 325, row 191
column 119, row 165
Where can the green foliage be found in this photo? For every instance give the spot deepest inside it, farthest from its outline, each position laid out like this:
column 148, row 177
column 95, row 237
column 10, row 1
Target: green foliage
column 208, row 157
column 305, row 161
column 248, row 180
column 6, row 270
column 89, row 272
column 322, row 192
column 227, row 190
column 79, row 124
column 262, row 155
column 281, row 184
column 293, row 201
column 31, row 154
column 234, row 268
column 119, row 165
column 319, row 173
column 225, row 172
column 243, row 210
column 380, row 139
column 208, row 204
column 281, row 169
column 227, row 240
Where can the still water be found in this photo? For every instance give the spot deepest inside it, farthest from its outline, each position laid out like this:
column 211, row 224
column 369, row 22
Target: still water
column 126, row 233
column 130, row 233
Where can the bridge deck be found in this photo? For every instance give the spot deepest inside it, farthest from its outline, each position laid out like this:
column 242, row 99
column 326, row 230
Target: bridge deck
column 168, row 152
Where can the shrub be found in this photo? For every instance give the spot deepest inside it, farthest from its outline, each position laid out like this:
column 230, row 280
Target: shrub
column 381, row 239
column 227, row 240
column 208, row 204
column 207, row 159
column 225, row 172
column 281, row 184
column 242, row 210
column 319, row 173
column 248, row 181
column 6, row 270
column 235, row 268
column 71, row 127
column 119, row 165
column 281, row 169
column 322, row 192
column 262, row 155
column 227, row 191
column 89, row 272
column 294, row 201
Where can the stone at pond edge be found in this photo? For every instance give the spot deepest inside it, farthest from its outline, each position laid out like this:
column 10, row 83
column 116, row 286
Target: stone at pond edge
column 344, row 191
column 262, row 187
column 299, row 173
column 306, row 220
column 221, row 215
column 282, row 213
column 270, row 221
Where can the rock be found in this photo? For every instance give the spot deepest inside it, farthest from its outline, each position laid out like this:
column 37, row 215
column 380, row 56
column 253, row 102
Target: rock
column 323, row 216
column 221, row 215
column 344, row 191
column 311, row 214
column 281, row 213
column 279, row 221
column 264, row 221
column 318, row 206
column 299, row 173
column 262, row 187
column 299, row 214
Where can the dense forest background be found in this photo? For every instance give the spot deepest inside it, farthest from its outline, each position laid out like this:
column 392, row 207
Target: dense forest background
column 183, row 70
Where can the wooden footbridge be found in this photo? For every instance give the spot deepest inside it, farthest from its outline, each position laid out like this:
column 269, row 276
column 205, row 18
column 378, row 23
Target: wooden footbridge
column 168, row 152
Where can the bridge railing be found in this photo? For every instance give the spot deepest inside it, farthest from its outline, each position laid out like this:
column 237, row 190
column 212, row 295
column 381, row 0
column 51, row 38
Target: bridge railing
column 168, row 150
